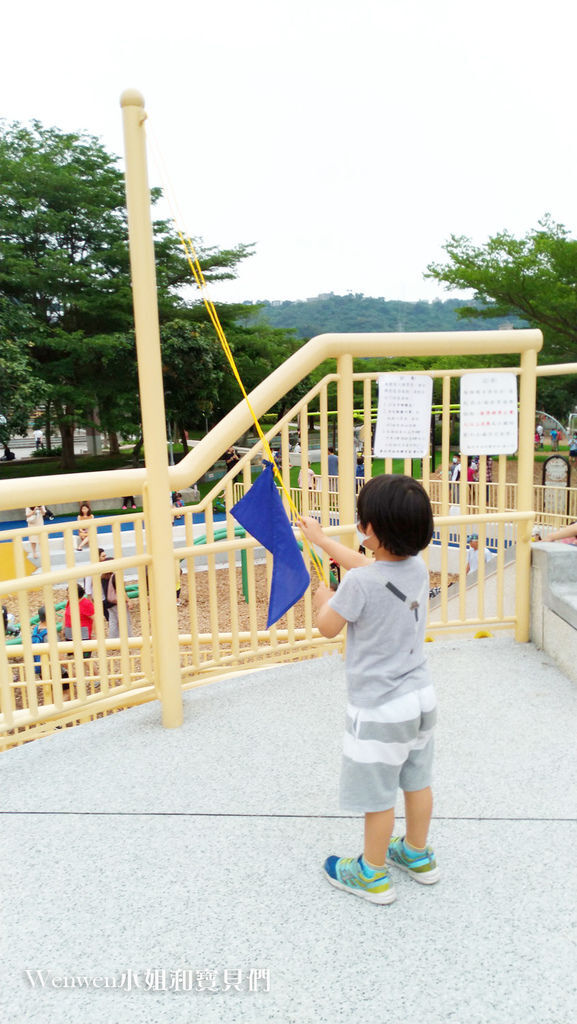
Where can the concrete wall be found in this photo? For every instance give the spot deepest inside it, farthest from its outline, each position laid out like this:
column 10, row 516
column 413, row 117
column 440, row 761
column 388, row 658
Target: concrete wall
column 554, row 603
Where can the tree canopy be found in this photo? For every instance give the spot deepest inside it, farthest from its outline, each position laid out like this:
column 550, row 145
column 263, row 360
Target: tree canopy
column 534, row 278
column 65, row 288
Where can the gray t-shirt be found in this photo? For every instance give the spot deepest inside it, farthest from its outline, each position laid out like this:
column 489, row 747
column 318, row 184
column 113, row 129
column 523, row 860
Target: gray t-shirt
column 385, row 605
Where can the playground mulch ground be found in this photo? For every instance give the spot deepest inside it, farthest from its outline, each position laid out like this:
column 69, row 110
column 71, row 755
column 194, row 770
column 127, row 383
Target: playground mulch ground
column 203, row 607
column 203, row 610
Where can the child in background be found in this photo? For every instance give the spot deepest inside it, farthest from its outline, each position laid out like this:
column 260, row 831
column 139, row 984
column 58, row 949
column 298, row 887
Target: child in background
column 39, row 634
column 86, row 611
column 84, row 515
column 392, row 708
column 177, row 503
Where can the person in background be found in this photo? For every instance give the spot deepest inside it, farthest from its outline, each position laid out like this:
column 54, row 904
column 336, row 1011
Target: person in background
column 177, row 504
column 112, row 599
column 84, row 515
column 567, row 535
column 312, row 480
column 38, row 438
column 11, row 627
column 573, row 449
column 555, row 439
column 96, row 586
column 473, row 553
column 472, row 471
column 230, row 458
column 489, row 470
column 9, row 455
column 86, row 611
column 39, row 635
column 128, row 501
column 539, row 432
column 454, row 477
column 34, row 517
column 104, row 581
column 333, row 462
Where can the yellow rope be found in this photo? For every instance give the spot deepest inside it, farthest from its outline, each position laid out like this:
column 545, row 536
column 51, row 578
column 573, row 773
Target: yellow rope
column 198, row 275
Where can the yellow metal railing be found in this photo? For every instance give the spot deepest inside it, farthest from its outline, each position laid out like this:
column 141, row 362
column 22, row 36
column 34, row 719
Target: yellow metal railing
column 226, row 578
column 222, row 628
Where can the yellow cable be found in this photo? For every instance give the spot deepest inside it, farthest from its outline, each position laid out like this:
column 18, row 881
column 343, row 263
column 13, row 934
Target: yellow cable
column 199, row 278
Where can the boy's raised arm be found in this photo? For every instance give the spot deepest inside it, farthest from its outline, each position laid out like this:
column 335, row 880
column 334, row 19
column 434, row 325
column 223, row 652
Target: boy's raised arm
column 345, row 556
column 329, row 621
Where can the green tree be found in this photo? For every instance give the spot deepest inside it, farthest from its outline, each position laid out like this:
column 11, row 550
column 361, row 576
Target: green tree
column 534, row 278
column 64, row 263
column 258, row 349
column 193, row 369
column 21, row 392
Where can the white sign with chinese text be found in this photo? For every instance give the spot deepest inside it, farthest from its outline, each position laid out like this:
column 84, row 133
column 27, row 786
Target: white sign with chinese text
column 489, row 420
column 403, row 416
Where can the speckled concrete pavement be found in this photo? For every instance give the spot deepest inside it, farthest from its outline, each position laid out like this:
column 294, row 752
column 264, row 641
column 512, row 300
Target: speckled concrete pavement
column 137, row 860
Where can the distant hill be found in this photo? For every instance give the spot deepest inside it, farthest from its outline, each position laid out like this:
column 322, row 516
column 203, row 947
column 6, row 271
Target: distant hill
column 331, row 313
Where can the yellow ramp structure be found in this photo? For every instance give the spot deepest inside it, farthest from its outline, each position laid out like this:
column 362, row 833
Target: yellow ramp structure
column 8, row 564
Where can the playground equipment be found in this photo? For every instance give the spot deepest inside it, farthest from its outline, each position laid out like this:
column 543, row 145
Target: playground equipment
column 549, row 422
column 8, row 564
column 572, row 424
column 159, row 662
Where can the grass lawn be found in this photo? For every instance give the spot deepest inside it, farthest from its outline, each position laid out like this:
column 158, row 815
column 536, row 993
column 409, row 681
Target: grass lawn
column 31, row 467
column 22, row 468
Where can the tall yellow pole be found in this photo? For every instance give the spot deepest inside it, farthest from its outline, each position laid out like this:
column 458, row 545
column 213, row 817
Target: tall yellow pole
column 525, row 490
column 347, row 467
column 157, row 488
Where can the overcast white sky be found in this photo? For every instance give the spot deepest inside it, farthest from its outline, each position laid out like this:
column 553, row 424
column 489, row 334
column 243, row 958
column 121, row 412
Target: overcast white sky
column 346, row 138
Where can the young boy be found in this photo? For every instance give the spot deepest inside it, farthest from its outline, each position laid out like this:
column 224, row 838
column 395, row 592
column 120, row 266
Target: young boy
column 391, row 702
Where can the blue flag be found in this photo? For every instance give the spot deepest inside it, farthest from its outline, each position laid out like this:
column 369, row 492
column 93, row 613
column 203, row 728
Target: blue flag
column 262, row 514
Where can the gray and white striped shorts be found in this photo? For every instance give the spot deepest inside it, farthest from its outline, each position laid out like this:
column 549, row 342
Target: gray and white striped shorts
column 386, row 748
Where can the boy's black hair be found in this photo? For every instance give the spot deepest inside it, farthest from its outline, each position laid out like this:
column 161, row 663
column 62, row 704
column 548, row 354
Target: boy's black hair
column 399, row 511
column 42, row 613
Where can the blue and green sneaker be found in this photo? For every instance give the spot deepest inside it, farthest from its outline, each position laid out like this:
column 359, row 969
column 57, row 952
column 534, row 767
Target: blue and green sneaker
column 419, row 864
column 353, row 875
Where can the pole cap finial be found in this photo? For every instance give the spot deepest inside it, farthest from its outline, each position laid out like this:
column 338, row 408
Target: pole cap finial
column 131, row 98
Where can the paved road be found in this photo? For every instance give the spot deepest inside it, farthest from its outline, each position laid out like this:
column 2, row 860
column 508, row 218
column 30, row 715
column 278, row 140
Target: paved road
column 128, row 847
